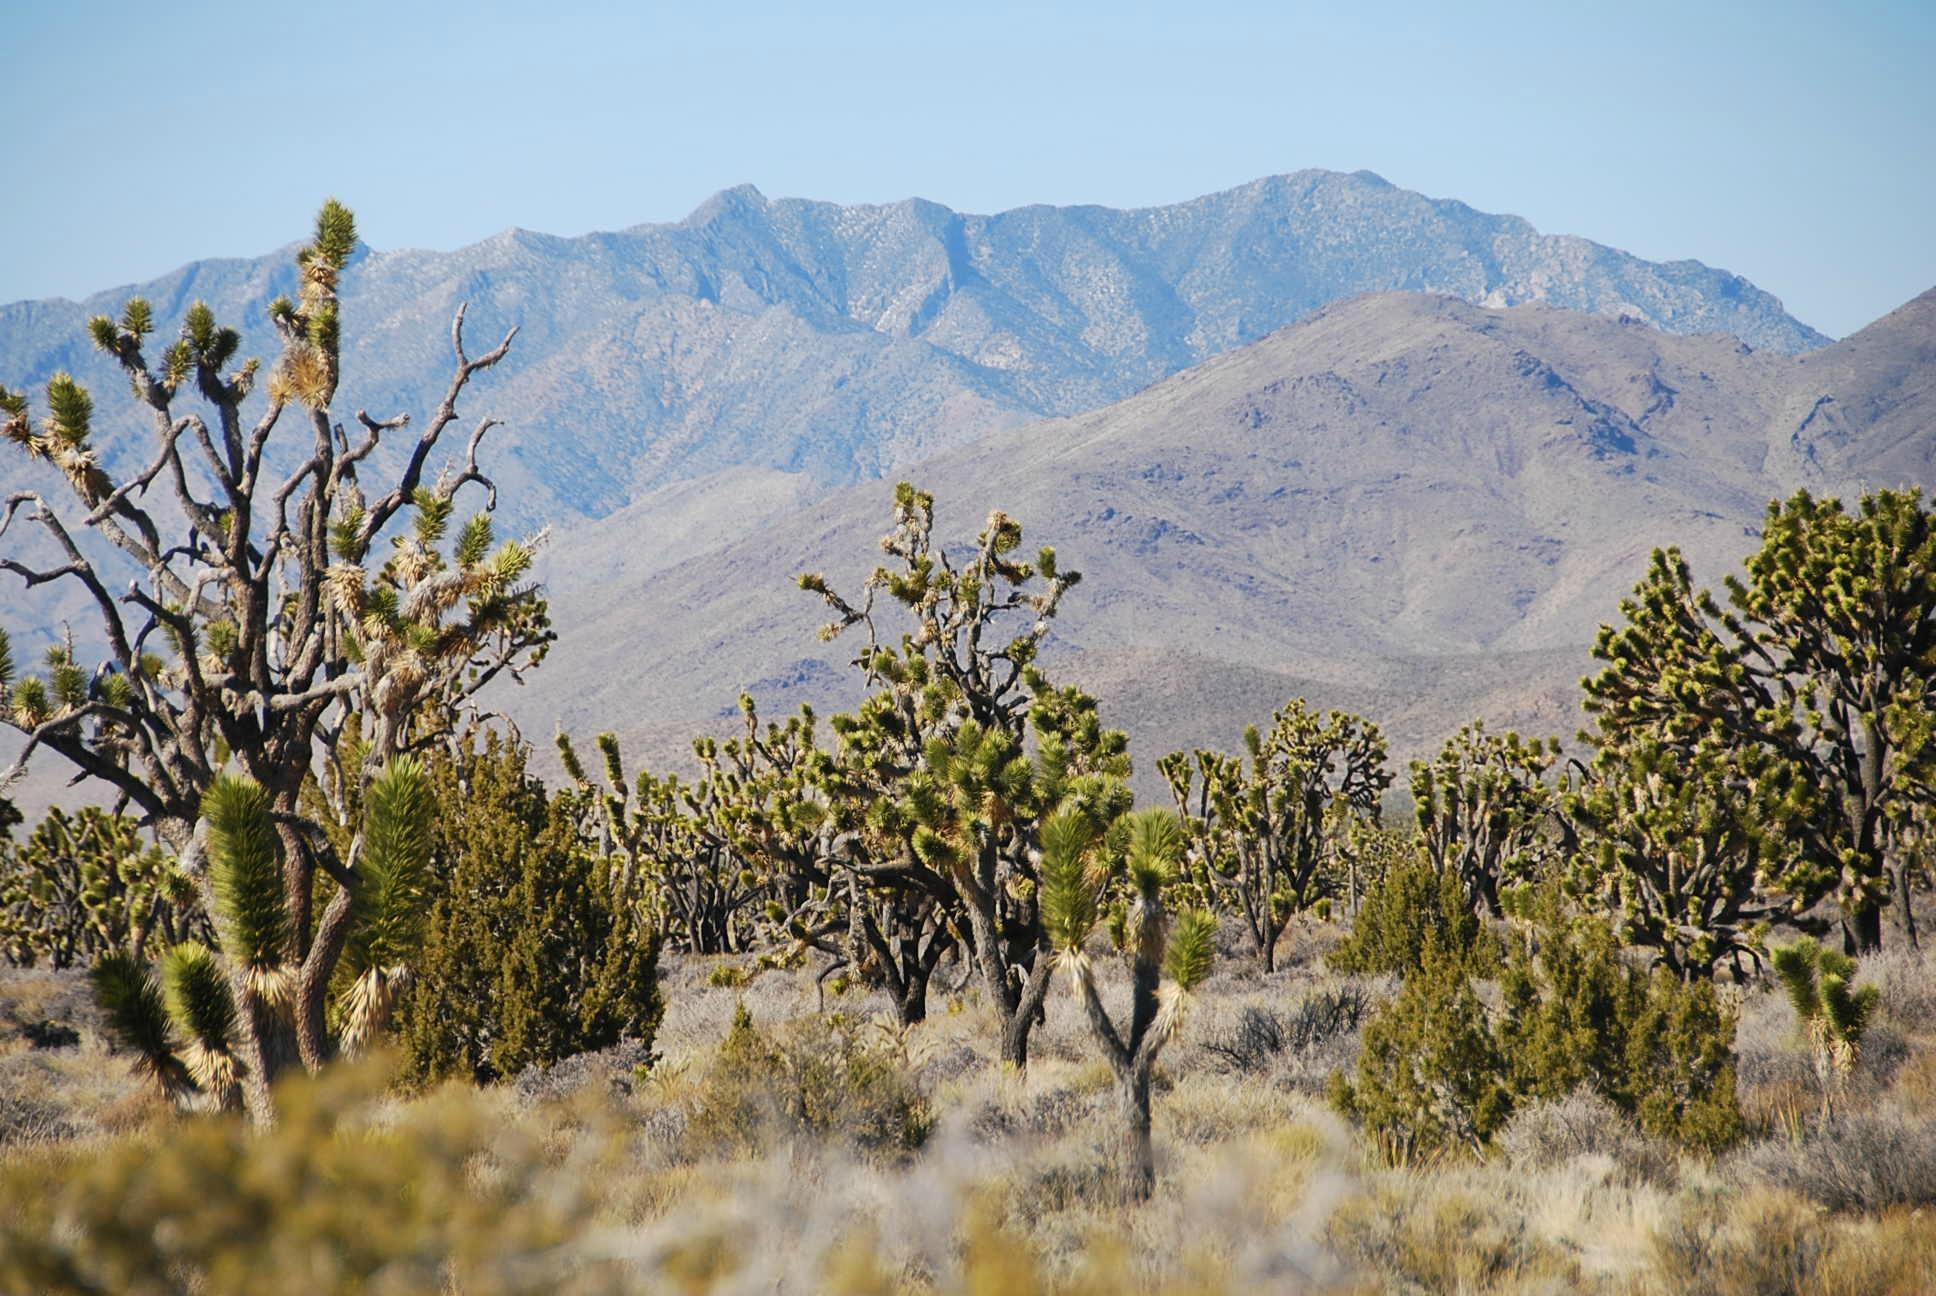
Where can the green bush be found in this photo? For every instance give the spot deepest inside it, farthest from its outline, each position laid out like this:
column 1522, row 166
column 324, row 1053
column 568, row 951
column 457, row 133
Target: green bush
column 528, row 956
column 1430, row 1077
column 1438, row 1074
column 818, row 1076
column 1660, row 1049
column 1409, row 913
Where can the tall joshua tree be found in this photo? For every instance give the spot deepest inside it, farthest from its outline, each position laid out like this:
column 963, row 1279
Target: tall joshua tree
column 1082, row 863
column 259, row 635
column 1821, row 660
column 963, row 748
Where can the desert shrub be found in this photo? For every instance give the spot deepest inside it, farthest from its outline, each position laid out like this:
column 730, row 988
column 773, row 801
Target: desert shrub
column 616, row 1071
column 1045, row 1115
column 1660, row 1049
column 528, row 956
column 443, row 1195
column 1680, row 1065
column 49, row 1034
column 1430, row 1078
column 1437, row 1071
column 1453, row 1243
column 1260, row 1034
column 1771, row 1247
column 1550, row 1132
column 26, row 1120
column 1908, row 981
column 1409, row 912
column 1856, row 1161
column 819, row 1076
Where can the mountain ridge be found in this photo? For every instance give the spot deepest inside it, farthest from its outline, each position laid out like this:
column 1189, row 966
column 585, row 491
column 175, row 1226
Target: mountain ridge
column 844, row 341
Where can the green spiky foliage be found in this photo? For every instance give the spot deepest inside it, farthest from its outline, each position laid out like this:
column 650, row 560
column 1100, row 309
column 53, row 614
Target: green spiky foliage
column 944, row 776
column 1413, row 912
column 84, row 883
column 298, row 605
column 1139, row 855
column 729, row 861
column 1264, row 834
column 1485, row 811
column 131, row 1000
column 1832, row 1009
column 392, row 901
column 531, row 952
column 1676, row 845
column 1821, row 661
column 196, row 992
column 245, row 875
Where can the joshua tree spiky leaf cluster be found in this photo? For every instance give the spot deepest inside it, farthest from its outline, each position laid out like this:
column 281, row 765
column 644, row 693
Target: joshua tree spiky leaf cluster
column 1486, row 812
column 87, row 882
column 218, row 1025
column 1820, row 664
column 1832, row 1009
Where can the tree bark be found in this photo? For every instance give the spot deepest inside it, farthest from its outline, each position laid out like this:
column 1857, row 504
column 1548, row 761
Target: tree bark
column 1862, row 932
column 1019, row 1022
column 1138, row 1156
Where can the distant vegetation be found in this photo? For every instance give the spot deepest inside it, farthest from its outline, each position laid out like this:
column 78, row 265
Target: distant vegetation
column 322, row 845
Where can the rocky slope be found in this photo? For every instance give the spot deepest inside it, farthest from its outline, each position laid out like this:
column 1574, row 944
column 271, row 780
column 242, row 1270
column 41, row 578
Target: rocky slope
column 1405, row 503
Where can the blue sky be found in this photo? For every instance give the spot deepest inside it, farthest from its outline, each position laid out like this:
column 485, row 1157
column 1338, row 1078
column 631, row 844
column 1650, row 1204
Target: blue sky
column 1793, row 144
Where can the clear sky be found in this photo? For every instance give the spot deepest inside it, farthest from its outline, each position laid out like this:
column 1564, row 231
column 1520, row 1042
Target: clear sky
column 1795, row 144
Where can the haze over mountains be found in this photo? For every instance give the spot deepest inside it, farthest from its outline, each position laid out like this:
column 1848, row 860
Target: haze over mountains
column 1417, row 503
column 1404, row 504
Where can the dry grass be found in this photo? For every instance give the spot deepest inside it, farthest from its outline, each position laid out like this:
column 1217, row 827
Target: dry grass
column 1260, row 1186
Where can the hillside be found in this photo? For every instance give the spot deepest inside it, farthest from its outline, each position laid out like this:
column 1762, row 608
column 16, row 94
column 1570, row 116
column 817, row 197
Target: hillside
column 1405, row 503
column 847, row 342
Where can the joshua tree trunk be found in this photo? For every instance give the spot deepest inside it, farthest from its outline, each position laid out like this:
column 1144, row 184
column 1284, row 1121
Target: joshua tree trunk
column 1019, row 1021
column 1138, row 1157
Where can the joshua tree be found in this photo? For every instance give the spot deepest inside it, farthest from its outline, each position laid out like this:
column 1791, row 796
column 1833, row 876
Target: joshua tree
column 672, row 842
column 84, row 883
column 256, row 636
column 1082, row 862
column 218, row 1025
column 1485, row 812
column 1834, row 1013
column 1674, row 845
column 935, row 765
column 1261, row 836
column 1821, row 661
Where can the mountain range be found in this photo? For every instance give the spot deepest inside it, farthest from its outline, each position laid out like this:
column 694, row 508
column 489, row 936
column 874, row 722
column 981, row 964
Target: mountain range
column 1317, row 434
column 1404, row 504
column 845, row 342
